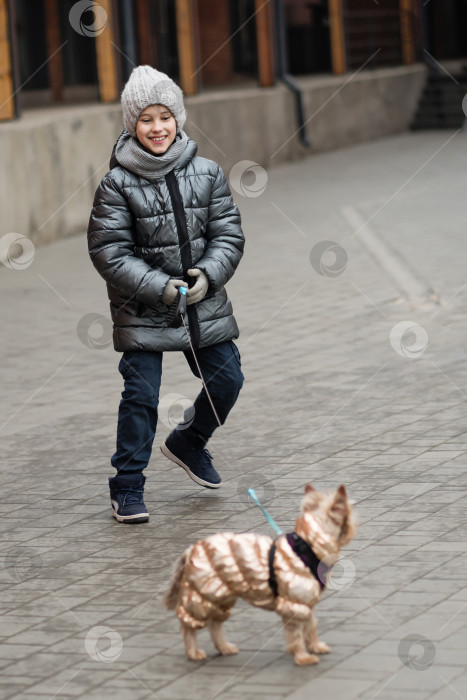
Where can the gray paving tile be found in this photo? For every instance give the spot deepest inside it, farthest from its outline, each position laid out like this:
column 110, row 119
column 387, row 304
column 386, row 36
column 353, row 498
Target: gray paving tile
column 346, row 689
column 333, row 404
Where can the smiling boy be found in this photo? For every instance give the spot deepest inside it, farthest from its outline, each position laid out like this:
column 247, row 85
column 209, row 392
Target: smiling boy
column 156, row 129
column 164, row 218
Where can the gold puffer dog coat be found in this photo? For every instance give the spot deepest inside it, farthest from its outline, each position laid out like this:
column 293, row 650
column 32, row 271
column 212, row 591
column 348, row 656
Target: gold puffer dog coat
column 217, row 570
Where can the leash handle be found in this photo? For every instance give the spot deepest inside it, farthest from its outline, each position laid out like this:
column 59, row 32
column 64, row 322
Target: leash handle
column 178, row 309
column 269, row 518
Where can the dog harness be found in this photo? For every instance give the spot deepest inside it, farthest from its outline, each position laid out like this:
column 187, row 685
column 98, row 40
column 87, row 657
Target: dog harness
column 303, row 550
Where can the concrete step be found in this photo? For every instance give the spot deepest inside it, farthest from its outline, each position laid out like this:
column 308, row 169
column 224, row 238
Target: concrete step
column 439, row 109
column 436, row 124
column 440, row 105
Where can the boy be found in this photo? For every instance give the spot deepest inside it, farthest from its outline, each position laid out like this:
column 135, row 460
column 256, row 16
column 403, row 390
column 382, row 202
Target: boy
column 164, row 218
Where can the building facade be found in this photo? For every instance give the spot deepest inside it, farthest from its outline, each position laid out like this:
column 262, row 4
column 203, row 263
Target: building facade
column 278, row 75
column 68, row 51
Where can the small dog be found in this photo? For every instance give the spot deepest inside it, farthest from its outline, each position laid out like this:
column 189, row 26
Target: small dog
column 286, row 576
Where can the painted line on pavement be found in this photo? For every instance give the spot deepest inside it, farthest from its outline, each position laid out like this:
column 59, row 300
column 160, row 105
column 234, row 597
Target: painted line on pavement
column 415, row 290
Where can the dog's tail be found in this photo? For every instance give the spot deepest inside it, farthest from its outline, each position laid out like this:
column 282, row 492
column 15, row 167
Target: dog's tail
column 171, row 597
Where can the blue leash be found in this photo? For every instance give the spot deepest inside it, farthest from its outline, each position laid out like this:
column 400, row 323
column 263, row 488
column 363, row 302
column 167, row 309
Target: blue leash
column 269, row 518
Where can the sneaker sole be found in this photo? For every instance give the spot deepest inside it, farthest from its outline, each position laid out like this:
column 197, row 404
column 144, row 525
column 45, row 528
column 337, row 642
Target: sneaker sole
column 131, row 519
column 167, row 453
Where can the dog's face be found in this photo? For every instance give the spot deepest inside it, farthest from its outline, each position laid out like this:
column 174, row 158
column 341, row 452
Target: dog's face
column 332, row 512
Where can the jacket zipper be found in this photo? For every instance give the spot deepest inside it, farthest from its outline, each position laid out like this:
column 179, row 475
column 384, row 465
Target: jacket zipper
column 185, row 251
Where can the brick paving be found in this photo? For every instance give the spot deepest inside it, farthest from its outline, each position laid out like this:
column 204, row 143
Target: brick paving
column 328, row 399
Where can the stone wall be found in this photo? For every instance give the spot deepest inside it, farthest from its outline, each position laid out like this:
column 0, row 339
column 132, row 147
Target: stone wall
column 53, row 158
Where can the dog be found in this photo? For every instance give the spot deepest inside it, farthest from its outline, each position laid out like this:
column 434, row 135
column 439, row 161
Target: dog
column 286, row 576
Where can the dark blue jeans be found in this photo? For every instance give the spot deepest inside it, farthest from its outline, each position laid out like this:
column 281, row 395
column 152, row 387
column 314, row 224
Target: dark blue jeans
column 137, row 415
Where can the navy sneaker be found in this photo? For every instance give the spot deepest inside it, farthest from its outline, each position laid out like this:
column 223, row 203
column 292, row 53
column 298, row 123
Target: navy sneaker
column 126, row 497
column 196, row 462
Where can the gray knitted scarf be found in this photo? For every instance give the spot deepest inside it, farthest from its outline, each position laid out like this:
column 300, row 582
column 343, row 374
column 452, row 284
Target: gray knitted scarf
column 132, row 156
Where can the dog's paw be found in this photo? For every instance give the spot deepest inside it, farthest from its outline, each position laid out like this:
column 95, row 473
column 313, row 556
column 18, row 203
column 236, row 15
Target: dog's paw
column 320, row 648
column 197, row 655
column 228, row 649
column 305, row 659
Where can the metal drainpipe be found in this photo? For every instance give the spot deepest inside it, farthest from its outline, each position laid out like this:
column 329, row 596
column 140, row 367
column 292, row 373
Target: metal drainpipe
column 282, row 72
column 130, row 53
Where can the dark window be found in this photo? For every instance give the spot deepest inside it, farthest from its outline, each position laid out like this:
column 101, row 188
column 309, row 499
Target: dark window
column 163, row 28
column 79, row 51
column 243, row 31
column 32, row 46
column 308, row 40
column 446, row 24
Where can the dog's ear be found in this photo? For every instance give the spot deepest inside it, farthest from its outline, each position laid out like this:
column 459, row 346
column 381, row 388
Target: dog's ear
column 309, row 488
column 339, row 505
column 342, row 492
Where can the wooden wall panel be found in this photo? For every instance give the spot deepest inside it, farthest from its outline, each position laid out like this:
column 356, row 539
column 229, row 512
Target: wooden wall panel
column 55, row 64
column 106, row 58
column 145, row 40
column 406, row 10
column 336, row 21
column 186, row 43
column 265, row 43
column 7, row 104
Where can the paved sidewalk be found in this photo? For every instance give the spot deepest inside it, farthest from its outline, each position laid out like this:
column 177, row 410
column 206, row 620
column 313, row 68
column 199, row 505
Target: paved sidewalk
column 355, row 374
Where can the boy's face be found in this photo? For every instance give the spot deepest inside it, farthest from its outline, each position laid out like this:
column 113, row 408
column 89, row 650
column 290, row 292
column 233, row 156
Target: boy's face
column 156, row 129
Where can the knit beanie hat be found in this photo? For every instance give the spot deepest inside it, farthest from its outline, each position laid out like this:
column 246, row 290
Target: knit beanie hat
column 148, row 86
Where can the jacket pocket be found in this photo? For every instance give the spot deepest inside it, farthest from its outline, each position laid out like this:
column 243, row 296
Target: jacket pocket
column 236, row 353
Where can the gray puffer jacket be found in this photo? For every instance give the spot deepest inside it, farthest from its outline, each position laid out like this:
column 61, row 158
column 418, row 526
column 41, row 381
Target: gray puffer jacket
column 143, row 233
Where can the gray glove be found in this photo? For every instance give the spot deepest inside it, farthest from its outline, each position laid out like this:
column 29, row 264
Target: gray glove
column 199, row 289
column 171, row 289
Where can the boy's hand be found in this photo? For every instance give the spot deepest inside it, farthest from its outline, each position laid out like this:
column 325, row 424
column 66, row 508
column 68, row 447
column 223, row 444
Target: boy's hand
column 199, row 289
column 171, row 290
